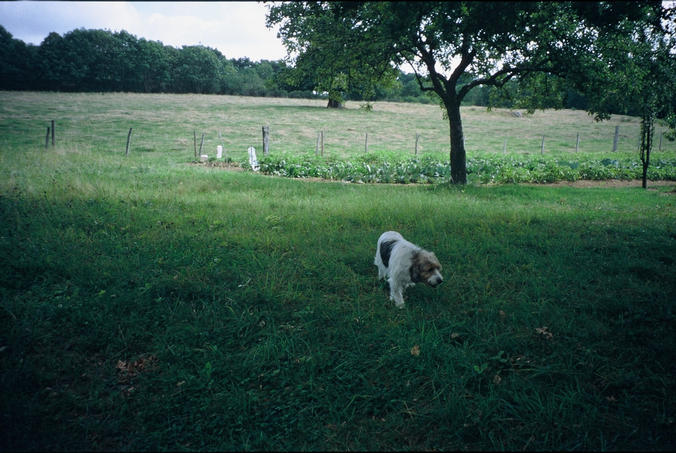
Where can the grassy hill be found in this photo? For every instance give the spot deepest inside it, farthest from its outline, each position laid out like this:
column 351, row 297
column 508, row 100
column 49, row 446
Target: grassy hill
column 147, row 304
column 167, row 123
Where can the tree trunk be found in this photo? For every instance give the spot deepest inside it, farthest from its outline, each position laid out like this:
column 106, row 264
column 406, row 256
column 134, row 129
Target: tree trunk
column 647, row 130
column 458, row 156
column 333, row 104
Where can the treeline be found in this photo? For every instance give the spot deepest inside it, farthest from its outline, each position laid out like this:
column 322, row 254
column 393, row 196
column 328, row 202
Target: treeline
column 105, row 61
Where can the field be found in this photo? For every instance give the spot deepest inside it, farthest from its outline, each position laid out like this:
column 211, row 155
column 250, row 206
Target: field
column 147, row 303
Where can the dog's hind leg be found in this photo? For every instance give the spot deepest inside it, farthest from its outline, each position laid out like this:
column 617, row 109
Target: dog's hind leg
column 382, row 272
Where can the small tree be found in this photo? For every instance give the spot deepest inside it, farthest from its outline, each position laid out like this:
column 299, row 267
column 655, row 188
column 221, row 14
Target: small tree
column 641, row 73
column 324, row 49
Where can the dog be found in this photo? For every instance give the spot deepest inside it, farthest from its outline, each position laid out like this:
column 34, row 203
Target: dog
column 405, row 264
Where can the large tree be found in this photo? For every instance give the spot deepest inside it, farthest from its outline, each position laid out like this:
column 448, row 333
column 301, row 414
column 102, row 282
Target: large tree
column 494, row 41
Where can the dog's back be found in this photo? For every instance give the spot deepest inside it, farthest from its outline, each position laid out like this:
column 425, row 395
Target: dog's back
column 386, row 242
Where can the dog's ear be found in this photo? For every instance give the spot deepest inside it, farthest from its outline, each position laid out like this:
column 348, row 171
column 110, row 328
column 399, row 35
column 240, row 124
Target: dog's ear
column 416, row 267
column 435, row 260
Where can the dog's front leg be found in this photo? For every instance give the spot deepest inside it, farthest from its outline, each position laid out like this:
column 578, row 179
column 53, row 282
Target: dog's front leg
column 397, row 294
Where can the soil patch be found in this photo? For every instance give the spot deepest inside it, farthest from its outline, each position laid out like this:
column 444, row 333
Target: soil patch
column 230, row 166
column 618, row 183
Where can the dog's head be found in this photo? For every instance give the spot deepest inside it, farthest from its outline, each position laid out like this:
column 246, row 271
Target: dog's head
column 425, row 268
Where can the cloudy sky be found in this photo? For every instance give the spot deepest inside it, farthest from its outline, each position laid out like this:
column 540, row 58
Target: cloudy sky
column 237, row 29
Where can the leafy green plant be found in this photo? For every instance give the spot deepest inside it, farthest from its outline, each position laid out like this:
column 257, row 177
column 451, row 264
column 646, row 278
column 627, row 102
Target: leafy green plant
column 484, row 169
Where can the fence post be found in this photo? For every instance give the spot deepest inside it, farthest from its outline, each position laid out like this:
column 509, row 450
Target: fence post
column 542, row 145
column 194, row 142
column 47, row 138
column 201, row 143
column 616, row 138
column 52, row 133
column 366, row 143
column 126, row 151
column 577, row 142
column 322, row 135
column 417, row 136
column 266, row 140
column 317, row 146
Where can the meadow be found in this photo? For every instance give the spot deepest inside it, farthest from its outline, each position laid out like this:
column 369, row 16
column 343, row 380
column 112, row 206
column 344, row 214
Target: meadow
column 147, row 303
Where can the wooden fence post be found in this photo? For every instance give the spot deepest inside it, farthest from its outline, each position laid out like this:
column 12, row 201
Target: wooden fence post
column 417, row 136
column 201, row 143
column 577, row 142
column 322, row 135
column 266, row 140
column 616, row 138
column 52, row 133
column 126, row 151
column 542, row 145
column 47, row 138
column 366, row 143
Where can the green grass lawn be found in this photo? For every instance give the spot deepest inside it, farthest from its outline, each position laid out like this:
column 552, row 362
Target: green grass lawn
column 148, row 304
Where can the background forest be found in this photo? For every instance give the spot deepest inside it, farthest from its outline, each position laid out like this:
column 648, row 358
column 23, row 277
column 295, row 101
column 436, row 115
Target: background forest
column 104, row 61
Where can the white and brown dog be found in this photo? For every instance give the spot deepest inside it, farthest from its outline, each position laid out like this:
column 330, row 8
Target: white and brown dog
column 405, row 264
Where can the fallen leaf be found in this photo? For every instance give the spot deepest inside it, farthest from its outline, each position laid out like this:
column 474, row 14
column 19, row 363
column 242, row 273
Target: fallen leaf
column 544, row 332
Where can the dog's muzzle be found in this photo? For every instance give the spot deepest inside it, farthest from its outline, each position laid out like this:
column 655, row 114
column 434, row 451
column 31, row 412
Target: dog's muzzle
column 435, row 280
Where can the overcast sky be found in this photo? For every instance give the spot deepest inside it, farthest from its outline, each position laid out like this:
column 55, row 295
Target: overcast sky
column 237, row 29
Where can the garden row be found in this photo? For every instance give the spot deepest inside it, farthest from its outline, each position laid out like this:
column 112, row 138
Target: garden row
column 485, row 169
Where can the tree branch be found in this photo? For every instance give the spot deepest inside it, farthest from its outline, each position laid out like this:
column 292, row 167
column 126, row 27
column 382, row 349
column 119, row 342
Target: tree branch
column 435, row 77
column 500, row 78
column 465, row 61
column 417, row 76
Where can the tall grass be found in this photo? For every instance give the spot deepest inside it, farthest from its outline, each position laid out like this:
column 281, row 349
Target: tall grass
column 150, row 305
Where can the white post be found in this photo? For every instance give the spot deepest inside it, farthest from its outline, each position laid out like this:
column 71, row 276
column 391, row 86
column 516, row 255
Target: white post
column 219, row 152
column 252, row 159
